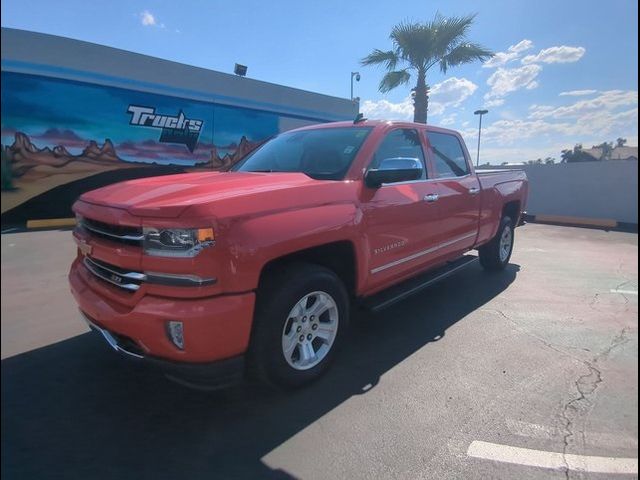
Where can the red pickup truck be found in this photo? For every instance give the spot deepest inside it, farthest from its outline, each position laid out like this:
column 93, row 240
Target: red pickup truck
column 218, row 274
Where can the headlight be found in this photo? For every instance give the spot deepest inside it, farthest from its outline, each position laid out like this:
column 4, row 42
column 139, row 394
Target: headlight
column 176, row 242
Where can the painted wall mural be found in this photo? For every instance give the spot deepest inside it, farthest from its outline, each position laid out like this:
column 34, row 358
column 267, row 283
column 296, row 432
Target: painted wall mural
column 61, row 138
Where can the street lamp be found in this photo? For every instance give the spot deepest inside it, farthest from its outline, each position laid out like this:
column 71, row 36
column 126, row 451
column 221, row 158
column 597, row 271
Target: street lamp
column 481, row 113
column 357, row 75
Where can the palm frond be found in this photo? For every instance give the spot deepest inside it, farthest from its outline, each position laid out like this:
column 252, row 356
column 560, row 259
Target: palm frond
column 409, row 39
column 377, row 57
column 449, row 32
column 394, row 79
column 464, row 53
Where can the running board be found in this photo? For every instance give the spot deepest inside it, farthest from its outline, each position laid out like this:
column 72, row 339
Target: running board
column 407, row 288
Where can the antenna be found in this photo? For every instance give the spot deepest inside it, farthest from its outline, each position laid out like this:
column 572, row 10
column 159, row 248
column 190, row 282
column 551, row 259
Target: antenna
column 359, row 118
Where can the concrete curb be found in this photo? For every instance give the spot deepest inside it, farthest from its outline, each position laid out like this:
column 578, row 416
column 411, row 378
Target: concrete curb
column 569, row 221
column 51, row 223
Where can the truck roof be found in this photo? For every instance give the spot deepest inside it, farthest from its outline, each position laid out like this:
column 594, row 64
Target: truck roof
column 376, row 123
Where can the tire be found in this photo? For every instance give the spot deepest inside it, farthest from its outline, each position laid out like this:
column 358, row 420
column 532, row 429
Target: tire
column 495, row 255
column 278, row 328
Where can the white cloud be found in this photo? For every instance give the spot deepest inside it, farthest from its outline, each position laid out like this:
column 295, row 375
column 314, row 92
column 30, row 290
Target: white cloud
column 611, row 114
column 148, row 19
column 496, row 102
column 577, row 93
column 506, row 80
column 512, row 53
column 448, row 120
column 511, row 132
column 597, row 126
column 605, row 101
column 521, row 46
column 452, row 92
column 386, row 110
column 558, row 54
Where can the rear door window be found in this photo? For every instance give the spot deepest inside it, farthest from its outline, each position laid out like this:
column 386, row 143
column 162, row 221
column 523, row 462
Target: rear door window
column 448, row 155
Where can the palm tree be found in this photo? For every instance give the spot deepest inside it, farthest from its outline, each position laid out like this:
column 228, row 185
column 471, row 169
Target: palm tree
column 606, row 149
column 419, row 46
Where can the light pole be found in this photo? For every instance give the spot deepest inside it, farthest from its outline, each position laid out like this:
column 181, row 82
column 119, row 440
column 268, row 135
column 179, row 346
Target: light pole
column 481, row 113
column 357, row 75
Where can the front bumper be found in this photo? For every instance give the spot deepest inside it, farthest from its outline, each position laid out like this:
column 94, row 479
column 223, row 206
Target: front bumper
column 215, row 328
column 207, row 376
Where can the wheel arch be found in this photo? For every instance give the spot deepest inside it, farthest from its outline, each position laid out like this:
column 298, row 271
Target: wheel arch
column 338, row 256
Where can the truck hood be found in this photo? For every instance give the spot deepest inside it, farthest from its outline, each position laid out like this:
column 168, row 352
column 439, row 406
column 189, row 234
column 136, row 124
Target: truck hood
column 170, row 195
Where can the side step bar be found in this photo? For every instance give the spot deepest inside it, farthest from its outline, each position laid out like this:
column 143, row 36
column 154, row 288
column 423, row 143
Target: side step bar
column 407, row 288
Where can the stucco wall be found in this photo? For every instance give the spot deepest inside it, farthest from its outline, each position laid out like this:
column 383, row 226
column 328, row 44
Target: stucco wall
column 31, row 52
column 603, row 190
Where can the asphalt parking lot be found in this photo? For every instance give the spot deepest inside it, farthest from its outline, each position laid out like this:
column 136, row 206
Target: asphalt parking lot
column 452, row 383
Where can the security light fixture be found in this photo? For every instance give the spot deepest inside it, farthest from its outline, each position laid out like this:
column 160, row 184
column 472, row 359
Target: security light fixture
column 357, row 77
column 240, row 70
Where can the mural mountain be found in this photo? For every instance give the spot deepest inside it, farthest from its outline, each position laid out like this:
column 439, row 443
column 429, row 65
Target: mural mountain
column 28, row 162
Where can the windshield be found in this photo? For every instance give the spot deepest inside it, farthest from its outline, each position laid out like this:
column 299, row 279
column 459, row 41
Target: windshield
column 323, row 153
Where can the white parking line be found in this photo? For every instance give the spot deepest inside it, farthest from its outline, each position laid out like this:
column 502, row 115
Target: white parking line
column 625, row 292
column 551, row 460
column 544, row 432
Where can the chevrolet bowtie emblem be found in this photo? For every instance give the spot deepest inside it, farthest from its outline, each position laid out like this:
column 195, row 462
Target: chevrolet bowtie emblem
column 84, row 247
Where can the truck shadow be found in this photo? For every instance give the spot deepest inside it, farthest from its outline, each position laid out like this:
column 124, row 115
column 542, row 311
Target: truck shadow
column 75, row 410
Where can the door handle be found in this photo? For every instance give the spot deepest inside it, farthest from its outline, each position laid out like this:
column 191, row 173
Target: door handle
column 432, row 197
column 474, row 191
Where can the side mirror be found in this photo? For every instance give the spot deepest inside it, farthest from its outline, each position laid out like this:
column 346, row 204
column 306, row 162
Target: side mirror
column 392, row 170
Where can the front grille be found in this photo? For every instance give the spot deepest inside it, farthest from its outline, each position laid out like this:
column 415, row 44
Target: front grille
column 117, row 233
column 121, row 278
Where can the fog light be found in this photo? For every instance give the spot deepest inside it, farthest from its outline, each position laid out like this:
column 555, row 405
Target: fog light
column 176, row 333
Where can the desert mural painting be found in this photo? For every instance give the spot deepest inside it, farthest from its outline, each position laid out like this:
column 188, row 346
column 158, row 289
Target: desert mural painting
column 61, row 138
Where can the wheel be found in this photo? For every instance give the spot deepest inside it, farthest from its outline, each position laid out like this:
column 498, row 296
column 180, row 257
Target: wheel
column 301, row 315
column 495, row 255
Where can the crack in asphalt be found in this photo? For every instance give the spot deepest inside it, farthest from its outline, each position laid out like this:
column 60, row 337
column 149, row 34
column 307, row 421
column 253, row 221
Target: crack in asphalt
column 545, row 342
column 586, row 385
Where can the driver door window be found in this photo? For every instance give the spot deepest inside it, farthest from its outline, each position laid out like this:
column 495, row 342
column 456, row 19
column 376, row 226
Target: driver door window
column 400, row 143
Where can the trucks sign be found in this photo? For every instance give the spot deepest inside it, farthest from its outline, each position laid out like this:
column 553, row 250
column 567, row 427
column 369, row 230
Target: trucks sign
column 174, row 129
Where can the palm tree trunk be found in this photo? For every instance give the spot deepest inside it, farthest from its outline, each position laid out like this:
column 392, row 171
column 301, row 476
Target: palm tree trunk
column 420, row 100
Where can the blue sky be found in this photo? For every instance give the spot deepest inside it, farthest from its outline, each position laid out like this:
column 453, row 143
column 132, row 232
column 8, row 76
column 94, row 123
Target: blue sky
column 566, row 72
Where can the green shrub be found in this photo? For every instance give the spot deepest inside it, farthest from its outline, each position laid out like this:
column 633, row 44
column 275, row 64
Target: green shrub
column 5, row 170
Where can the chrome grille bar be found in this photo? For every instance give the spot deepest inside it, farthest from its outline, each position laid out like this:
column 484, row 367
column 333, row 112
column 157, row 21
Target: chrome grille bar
column 111, row 276
column 140, row 277
column 100, row 231
column 132, row 280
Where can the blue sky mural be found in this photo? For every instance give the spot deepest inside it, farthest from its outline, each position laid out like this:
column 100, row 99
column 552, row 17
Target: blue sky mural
column 79, row 136
column 54, row 112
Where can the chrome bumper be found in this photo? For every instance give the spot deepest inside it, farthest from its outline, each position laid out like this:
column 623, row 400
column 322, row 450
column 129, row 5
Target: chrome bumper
column 108, row 336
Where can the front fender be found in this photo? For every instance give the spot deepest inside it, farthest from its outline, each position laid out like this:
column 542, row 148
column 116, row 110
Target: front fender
column 254, row 242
